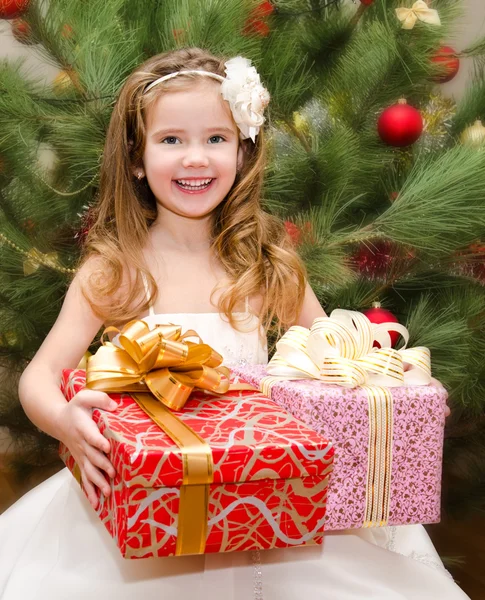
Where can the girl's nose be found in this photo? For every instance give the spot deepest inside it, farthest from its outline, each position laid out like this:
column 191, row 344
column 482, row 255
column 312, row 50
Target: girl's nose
column 195, row 156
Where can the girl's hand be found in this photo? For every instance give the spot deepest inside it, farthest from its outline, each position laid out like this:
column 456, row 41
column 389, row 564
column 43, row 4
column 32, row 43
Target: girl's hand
column 437, row 383
column 87, row 445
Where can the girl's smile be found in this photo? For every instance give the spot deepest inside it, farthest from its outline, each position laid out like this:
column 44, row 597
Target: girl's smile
column 194, row 185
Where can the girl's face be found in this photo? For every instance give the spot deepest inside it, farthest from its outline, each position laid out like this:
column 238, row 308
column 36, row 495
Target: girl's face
column 192, row 150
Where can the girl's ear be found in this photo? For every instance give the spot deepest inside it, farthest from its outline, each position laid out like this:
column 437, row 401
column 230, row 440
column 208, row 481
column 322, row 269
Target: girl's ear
column 138, row 172
column 240, row 156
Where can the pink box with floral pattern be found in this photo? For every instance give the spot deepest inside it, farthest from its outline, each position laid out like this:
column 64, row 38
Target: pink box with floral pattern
column 414, row 428
column 270, row 474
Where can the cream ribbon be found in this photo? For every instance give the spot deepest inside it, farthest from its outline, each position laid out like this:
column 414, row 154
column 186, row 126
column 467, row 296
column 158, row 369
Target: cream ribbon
column 419, row 10
column 339, row 350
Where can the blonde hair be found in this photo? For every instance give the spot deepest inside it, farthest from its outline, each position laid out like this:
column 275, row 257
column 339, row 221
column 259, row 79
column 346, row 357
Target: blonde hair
column 251, row 244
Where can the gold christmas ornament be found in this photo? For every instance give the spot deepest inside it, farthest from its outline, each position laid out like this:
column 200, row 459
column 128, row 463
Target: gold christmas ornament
column 9, row 338
column 300, row 123
column 64, row 82
column 474, row 135
column 438, row 116
column 419, row 11
column 34, row 259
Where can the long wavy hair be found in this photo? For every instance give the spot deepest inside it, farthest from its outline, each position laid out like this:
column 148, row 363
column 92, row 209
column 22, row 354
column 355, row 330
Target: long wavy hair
column 251, row 244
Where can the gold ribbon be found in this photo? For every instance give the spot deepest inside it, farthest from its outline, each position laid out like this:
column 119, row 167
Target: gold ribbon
column 157, row 360
column 419, row 10
column 197, row 475
column 160, row 361
column 379, row 453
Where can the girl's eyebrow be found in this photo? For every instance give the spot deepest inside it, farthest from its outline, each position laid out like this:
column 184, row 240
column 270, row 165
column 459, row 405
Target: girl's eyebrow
column 226, row 130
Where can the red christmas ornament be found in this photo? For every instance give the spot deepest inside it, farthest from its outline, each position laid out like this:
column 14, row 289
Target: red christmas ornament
column 367, row 2
column 447, row 59
column 88, row 219
column 375, row 260
column 379, row 315
column 478, row 261
column 67, row 31
column 256, row 23
column 11, row 9
column 293, row 231
column 28, row 225
column 265, row 9
column 22, row 32
column 471, row 262
column 400, row 125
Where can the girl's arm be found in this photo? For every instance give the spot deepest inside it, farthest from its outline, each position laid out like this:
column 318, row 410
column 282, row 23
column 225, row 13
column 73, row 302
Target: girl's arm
column 310, row 310
column 43, row 401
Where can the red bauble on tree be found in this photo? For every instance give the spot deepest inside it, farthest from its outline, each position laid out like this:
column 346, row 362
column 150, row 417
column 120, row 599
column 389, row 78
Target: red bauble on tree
column 478, row 261
column 256, row 23
column 400, row 125
column 11, row 9
column 67, row 31
column 379, row 315
column 293, row 231
column 375, row 260
column 22, row 32
column 300, row 234
column 471, row 262
column 449, row 62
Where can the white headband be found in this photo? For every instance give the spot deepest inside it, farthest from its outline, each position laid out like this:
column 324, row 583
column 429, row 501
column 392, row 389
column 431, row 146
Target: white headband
column 242, row 89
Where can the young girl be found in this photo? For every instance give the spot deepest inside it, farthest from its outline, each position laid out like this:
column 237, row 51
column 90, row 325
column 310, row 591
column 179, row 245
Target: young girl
column 180, row 237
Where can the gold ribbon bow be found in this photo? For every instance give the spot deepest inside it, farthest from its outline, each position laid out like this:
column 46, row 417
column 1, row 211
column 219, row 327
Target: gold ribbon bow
column 419, row 10
column 339, row 349
column 158, row 361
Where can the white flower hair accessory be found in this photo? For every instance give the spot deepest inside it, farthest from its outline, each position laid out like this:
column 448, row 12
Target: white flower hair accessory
column 246, row 96
column 242, row 89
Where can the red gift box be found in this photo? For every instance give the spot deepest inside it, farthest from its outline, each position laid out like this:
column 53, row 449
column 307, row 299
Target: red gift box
column 270, row 474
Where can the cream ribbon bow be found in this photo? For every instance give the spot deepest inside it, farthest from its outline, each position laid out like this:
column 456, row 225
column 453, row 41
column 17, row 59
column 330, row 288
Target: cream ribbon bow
column 419, row 10
column 339, row 350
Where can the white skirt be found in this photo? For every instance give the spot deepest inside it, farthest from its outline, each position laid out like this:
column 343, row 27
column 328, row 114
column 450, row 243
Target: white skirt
column 54, row 547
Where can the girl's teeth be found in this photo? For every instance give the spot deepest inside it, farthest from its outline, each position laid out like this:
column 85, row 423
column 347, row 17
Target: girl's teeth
column 197, row 184
column 194, row 182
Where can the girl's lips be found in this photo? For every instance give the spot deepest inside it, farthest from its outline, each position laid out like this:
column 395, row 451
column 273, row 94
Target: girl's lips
column 202, row 191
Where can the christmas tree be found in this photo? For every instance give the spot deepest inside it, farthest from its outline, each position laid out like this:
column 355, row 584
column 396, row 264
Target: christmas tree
column 380, row 180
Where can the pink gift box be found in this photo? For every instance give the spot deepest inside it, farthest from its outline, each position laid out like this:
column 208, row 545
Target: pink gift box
column 404, row 485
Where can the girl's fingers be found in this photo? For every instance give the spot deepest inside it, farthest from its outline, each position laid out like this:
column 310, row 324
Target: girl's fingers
column 90, row 491
column 94, row 475
column 94, row 399
column 447, row 411
column 92, row 436
column 98, row 459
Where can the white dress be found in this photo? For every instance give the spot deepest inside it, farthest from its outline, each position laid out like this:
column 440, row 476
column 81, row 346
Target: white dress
column 54, row 547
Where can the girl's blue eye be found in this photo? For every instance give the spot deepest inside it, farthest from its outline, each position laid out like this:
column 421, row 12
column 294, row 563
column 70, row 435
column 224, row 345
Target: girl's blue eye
column 216, row 137
column 171, row 139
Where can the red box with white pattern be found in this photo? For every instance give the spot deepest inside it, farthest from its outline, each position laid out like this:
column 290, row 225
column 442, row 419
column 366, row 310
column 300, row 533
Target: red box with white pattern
column 270, row 474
